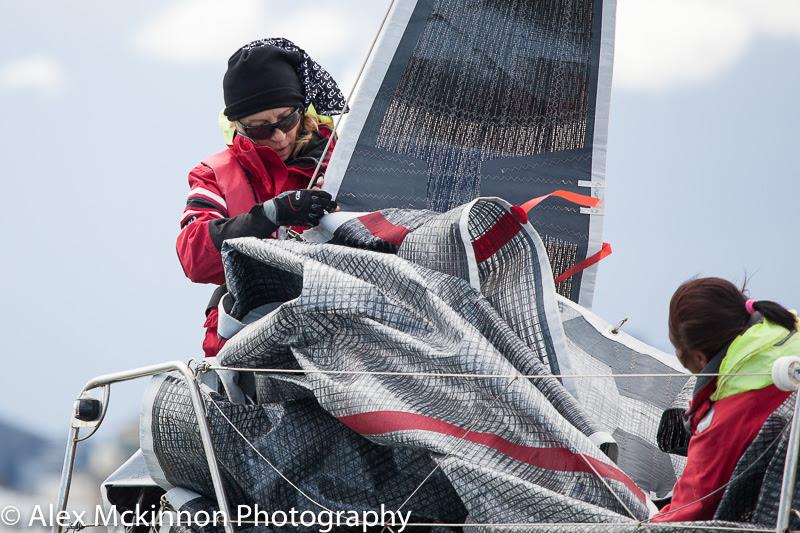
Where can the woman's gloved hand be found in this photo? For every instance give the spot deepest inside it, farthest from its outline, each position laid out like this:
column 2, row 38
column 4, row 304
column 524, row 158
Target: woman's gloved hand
column 304, row 207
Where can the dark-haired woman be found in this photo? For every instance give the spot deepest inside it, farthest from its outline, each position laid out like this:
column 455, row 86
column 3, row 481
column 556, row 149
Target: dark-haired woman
column 716, row 329
column 274, row 98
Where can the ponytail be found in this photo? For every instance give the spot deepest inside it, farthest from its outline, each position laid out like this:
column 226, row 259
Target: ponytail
column 775, row 312
column 706, row 314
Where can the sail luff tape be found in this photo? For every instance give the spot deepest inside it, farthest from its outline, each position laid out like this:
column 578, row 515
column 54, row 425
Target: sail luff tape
column 350, row 95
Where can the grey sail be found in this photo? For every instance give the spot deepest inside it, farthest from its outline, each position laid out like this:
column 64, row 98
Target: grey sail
column 505, row 98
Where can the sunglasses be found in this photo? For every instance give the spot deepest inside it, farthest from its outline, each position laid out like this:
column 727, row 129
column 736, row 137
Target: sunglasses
column 266, row 131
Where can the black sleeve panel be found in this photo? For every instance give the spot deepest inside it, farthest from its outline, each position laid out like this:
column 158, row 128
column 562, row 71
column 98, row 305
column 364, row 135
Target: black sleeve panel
column 196, row 201
column 252, row 224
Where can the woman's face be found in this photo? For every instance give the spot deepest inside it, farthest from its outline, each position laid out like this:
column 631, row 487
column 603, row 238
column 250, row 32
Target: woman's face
column 281, row 141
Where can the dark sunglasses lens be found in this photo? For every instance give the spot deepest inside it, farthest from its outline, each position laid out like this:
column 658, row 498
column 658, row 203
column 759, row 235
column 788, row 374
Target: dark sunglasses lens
column 265, row 131
column 259, row 132
column 287, row 123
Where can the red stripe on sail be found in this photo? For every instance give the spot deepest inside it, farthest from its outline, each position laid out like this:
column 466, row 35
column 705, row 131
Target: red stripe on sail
column 562, row 459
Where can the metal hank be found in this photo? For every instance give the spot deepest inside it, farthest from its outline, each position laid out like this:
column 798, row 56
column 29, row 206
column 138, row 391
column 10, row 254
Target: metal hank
column 202, row 423
column 789, row 472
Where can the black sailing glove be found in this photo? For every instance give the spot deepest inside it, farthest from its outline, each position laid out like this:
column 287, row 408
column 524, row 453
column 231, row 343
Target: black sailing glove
column 299, row 208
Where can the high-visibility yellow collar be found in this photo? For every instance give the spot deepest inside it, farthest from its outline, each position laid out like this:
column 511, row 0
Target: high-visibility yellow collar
column 754, row 352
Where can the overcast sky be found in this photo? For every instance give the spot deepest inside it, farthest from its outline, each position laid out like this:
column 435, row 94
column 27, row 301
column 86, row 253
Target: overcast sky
column 107, row 106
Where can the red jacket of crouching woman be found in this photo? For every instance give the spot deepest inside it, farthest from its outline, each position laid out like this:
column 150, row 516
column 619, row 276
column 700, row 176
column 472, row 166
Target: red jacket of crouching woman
column 725, row 416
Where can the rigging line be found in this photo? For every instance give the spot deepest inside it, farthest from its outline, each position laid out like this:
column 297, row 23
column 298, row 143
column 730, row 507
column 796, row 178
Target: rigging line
column 464, row 375
column 743, row 472
column 251, row 445
column 460, row 443
column 608, row 486
column 350, row 96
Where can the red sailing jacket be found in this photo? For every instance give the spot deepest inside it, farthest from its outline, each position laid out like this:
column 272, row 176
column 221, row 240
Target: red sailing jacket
column 225, row 193
column 721, row 432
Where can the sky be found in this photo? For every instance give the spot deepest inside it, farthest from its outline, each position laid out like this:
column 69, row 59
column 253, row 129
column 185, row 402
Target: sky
column 107, row 106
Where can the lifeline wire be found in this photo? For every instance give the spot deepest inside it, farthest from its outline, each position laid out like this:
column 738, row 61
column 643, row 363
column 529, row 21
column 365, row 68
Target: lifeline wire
column 349, row 97
column 463, row 375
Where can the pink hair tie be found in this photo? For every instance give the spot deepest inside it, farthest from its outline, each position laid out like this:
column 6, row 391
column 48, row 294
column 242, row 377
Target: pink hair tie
column 749, row 306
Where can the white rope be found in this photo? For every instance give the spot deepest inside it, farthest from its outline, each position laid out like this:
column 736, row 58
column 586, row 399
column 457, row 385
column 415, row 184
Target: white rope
column 475, row 376
column 349, row 97
column 251, row 445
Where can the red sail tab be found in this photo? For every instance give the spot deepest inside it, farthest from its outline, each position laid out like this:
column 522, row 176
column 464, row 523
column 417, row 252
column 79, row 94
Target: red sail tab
column 573, row 197
column 604, row 252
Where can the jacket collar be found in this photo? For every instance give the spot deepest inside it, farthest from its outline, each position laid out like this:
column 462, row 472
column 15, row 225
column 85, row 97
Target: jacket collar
column 311, row 153
column 712, row 367
column 267, row 172
column 705, row 386
column 264, row 167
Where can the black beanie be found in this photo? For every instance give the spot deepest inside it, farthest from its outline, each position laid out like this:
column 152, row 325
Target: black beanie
column 261, row 78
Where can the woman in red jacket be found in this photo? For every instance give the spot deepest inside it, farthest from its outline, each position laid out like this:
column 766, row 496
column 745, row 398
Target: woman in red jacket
column 717, row 330
column 260, row 183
